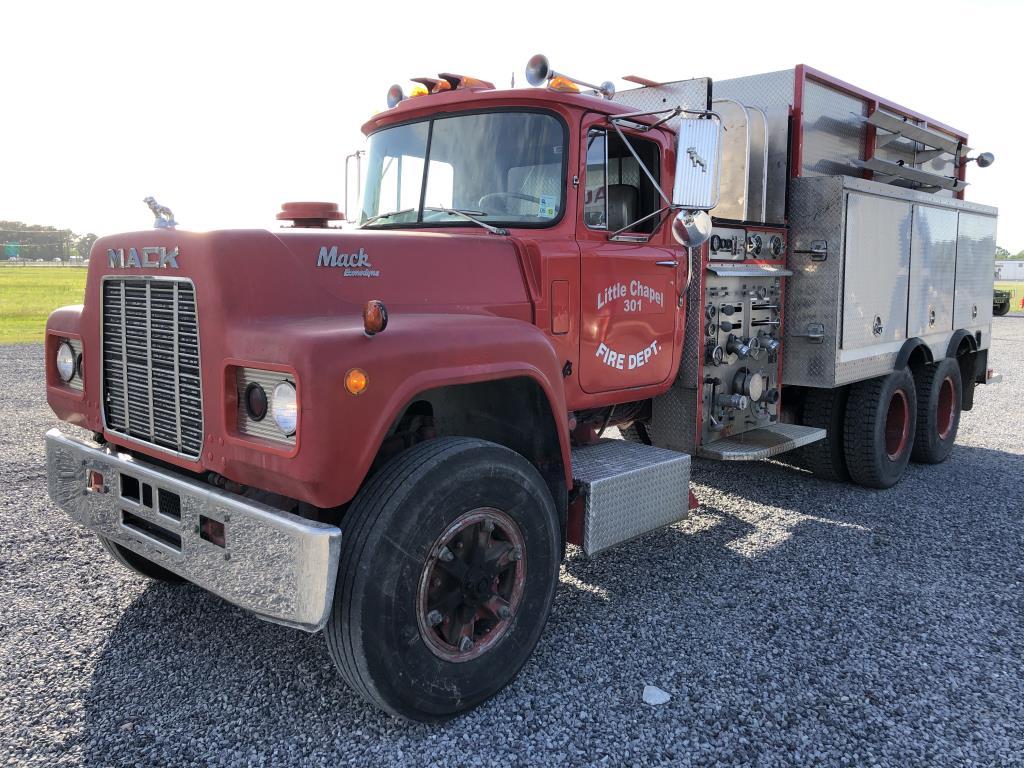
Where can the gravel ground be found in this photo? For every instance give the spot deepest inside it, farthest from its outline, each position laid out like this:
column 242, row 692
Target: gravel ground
column 792, row 621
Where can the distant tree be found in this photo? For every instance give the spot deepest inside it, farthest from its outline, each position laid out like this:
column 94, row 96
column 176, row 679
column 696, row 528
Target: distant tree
column 1002, row 253
column 83, row 244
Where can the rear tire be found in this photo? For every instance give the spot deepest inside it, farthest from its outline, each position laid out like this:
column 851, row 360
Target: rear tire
column 409, row 578
column 139, row 564
column 825, row 409
column 878, row 430
column 939, row 398
column 1002, row 309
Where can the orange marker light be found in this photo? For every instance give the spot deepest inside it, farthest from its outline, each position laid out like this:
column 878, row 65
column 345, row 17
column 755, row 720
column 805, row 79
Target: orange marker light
column 375, row 317
column 356, row 381
column 564, row 84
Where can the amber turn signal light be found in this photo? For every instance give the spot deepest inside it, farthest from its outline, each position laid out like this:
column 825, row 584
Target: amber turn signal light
column 375, row 317
column 356, row 381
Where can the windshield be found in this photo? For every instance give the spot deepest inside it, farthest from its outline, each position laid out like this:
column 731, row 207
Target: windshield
column 500, row 167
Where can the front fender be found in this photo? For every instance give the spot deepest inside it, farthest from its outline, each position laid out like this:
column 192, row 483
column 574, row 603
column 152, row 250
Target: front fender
column 339, row 434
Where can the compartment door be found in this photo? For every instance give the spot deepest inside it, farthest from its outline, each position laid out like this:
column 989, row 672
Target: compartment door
column 876, row 270
column 975, row 271
column 932, row 267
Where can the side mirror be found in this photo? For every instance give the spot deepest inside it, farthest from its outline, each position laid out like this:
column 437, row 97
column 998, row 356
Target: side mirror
column 698, row 163
column 691, row 228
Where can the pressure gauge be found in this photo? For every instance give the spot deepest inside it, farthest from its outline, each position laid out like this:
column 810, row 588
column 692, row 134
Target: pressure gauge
column 776, row 245
column 754, row 245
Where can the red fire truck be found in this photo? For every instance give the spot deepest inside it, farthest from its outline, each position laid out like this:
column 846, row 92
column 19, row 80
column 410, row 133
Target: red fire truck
column 392, row 432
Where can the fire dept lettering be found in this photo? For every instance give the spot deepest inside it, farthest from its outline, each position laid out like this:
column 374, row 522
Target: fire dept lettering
column 623, row 361
column 632, row 296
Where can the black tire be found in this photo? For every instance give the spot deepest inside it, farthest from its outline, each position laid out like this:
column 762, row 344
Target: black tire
column 939, row 399
column 1002, row 309
column 139, row 564
column 637, row 432
column 826, row 409
column 878, row 430
column 390, row 533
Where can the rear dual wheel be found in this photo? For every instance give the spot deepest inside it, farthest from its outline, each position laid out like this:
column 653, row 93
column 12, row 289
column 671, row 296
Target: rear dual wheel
column 879, row 427
column 939, row 397
column 448, row 568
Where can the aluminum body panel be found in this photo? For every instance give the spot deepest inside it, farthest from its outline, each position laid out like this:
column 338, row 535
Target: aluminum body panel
column 757, row 183
column 689, row 94
column 279, row 566
column 834, row 134
column 762, row 443
column 736, row 152
column 815, row 293
column 629, row 489
column 932, row 269
column 876, row 270
column 975, row 270
column 771, row 92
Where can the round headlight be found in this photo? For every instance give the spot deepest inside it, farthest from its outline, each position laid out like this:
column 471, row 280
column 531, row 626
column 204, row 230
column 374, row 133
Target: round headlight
column 65, row 362
column 255, row 402
column 285, row 408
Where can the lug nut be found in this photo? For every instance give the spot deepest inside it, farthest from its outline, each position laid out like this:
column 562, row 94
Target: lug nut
column 515, row 554
column 434, row 618
column 445, row 555
column 504, row 612
column 488, row 526
column 465, row 644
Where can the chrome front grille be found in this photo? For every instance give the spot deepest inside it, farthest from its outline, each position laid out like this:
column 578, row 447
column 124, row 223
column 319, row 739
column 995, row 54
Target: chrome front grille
column 151, row 386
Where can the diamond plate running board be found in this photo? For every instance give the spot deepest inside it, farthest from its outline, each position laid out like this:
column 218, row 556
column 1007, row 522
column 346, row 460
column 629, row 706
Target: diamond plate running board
column 761, row 443
column 628, row 490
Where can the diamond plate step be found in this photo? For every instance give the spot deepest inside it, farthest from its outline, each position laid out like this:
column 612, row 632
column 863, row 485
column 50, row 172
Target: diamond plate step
column 761, row 443
column 628, row 489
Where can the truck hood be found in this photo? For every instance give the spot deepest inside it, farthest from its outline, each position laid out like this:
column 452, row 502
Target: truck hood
column 317, row 272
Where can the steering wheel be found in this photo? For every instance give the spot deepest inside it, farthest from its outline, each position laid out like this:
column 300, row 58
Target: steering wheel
column 505, row 197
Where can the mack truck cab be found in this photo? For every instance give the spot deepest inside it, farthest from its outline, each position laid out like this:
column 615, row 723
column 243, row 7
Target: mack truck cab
column 393, row 432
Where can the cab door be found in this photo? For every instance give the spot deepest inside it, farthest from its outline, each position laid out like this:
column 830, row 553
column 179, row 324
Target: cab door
column 628, row 301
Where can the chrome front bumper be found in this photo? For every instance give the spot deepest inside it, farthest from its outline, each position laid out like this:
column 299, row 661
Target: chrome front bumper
column 279, row 566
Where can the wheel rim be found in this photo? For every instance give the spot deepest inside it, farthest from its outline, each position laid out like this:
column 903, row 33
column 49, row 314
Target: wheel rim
column 471, row 584
column 946, row 408
column 897, row 425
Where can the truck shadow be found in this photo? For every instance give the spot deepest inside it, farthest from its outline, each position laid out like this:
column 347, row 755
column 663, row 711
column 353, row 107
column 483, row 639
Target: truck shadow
column 692, row 608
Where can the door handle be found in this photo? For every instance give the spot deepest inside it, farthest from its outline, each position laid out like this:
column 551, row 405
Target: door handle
column 667, row 263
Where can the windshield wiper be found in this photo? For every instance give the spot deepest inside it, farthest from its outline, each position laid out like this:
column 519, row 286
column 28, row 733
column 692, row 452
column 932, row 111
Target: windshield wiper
column 470, row 216
column 386, row 215
column 467, row 215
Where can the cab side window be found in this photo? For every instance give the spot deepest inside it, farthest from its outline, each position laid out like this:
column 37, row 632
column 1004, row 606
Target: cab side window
column 616, row 190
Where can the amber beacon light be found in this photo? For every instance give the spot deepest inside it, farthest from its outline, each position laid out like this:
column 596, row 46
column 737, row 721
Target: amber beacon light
column 375, row 317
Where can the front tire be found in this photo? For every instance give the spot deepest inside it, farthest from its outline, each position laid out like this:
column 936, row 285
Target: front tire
column 878, row 431
column 939, row 398
column 139, row 564
column 1002, row 309
column 448, row 569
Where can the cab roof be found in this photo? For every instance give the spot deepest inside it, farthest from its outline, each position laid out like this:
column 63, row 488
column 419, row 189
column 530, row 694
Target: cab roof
column 417, row 107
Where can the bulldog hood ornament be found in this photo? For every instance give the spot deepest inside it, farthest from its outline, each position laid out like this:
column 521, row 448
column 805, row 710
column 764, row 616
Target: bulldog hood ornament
column 164, row 216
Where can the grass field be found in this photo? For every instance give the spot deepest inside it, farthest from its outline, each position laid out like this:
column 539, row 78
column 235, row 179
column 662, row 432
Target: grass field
column 29, row 294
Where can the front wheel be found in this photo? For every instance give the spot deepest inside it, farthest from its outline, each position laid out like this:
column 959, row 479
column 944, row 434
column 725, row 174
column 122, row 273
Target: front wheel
column 448, row 569
column 138, row 563
column 1002, row 309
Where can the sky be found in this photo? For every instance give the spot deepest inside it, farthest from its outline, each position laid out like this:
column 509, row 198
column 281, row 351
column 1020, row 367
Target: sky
column 224, row 110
